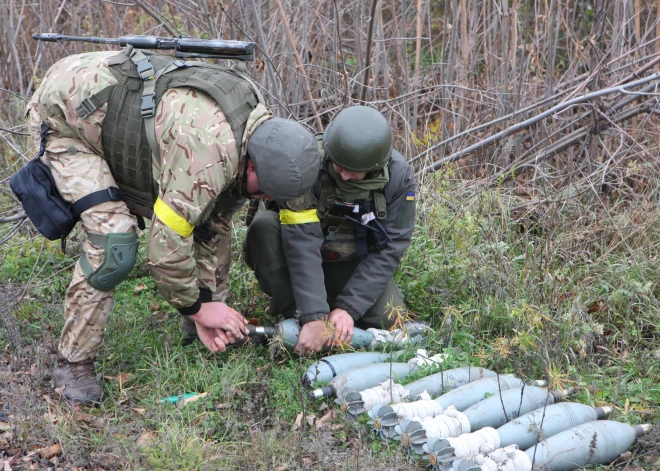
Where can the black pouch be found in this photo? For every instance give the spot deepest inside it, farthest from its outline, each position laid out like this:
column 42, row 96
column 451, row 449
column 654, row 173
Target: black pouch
column 35, row 188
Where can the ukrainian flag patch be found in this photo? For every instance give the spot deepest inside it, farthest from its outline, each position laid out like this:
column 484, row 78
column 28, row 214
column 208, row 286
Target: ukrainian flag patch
column 410, row 196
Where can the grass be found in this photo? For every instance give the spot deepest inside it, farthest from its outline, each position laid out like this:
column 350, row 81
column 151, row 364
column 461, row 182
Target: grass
column 533, row 295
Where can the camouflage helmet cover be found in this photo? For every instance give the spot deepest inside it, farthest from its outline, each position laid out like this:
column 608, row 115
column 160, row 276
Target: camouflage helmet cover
column 359, row 139
column 286, row 158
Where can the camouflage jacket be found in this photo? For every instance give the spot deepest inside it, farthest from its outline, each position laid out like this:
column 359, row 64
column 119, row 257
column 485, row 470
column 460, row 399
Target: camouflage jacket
column 302, row 239
column 198, row 176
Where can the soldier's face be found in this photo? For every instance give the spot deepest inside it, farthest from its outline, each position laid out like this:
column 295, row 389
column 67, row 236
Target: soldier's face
column 347, row 175
column 252, row 183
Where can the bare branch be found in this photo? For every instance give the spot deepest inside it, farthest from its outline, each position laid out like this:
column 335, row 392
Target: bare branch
column 301, row 68
column 524, row 124
column 16, row 217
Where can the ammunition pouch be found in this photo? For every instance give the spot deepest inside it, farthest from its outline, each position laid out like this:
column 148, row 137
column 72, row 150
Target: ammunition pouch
column 118, row 260
column 345, row 237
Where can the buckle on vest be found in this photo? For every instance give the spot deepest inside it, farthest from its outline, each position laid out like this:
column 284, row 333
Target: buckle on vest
column 145, row 70
column 180, row 64
column 331, row 233
column 147, row 106
column 85, row 108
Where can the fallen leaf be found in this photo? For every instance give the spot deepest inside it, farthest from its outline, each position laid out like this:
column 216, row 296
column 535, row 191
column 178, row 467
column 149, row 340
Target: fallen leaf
column 298, row 423
column 626, row 455
column 139, row 411
column 146, row 439
column 326, row 419
column 4, row 426
column 223, row 405
column 60, row 390
column 50, row 451
column 140, row 287
column 6, row 466
column 123, row 378
column 193, row 398
column 5, row 438
column 155, row 306
column 594, row 307
column 283, row 467
column 310, row 419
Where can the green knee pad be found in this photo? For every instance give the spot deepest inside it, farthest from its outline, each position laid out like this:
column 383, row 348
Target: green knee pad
column 119, row 258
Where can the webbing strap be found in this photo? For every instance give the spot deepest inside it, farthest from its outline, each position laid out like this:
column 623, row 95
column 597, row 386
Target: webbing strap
column 93, row 199
column 381, row 203
column 177, row 64
column 147, row 73
column 94, row 102
column 327, row 188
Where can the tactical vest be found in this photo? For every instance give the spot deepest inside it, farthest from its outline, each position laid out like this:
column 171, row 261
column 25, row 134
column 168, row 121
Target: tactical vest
column 128, row 130
column 345, row 238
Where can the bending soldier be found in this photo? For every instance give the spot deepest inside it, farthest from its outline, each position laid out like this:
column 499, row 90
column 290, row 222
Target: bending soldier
column 331, row 254
column 186, row 143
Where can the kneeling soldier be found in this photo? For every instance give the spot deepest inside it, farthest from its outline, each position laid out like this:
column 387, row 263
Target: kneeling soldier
column 330, row 254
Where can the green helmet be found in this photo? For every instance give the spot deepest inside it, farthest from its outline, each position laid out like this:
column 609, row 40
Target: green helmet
column 359, row 139
column 286, row 158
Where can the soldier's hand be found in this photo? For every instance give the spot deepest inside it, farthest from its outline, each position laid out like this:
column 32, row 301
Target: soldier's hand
column 343, row 323
column 313, row 337
column 215, row 339
column 224, row 323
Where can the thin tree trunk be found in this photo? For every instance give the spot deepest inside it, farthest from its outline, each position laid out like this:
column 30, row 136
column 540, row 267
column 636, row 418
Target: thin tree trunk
column 301, row 68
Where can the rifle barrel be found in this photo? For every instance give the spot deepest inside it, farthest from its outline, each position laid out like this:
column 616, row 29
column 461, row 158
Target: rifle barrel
column 54, row 37
column 185, row 47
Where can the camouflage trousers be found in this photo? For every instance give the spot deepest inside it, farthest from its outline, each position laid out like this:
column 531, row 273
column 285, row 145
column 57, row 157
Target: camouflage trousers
column 262, row 252
column 79, row 171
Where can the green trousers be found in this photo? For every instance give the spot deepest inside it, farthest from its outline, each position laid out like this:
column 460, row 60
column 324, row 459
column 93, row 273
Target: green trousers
column 262, row 252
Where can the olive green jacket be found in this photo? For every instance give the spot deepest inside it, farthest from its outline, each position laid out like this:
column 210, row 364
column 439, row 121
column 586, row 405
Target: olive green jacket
column 301, row 243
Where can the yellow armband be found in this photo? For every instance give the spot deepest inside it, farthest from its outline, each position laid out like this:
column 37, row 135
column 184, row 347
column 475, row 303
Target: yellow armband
column 298, row 217
column 172, row 219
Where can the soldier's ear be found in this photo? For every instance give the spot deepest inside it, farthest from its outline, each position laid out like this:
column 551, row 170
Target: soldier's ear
column 250, row 166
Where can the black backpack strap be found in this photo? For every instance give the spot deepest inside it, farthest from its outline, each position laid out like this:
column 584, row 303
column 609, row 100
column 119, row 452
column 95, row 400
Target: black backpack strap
column 98, row 197
column 42, row 134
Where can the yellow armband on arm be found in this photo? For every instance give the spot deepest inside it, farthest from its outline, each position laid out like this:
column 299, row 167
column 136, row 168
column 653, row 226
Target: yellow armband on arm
column 172, row 219
column 298, row 217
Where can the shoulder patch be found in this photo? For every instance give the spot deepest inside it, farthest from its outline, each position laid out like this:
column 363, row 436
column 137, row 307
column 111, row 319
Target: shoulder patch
column 410, row 196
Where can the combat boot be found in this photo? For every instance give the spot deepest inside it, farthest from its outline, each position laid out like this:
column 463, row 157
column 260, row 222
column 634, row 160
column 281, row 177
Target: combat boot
column 79, row 381
column 188, row 331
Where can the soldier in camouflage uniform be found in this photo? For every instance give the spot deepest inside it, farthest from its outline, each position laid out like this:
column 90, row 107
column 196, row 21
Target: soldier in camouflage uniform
column 202, row 175
column 330, row 254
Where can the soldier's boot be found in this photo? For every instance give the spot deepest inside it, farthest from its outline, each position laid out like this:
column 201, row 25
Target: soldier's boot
column 188, row 331
column 79, row 381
